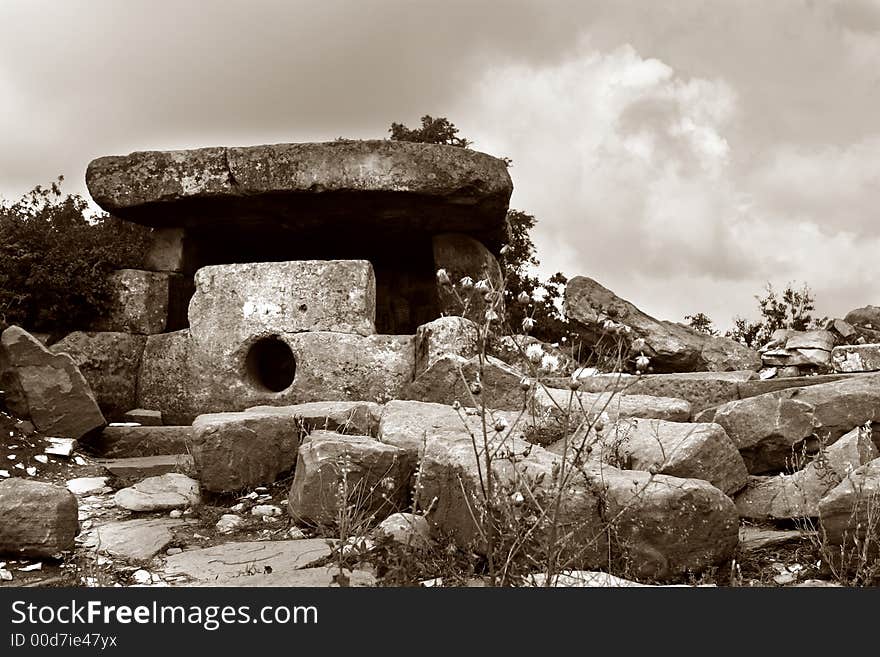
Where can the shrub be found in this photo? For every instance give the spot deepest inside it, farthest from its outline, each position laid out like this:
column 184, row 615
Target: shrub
column 55, row 260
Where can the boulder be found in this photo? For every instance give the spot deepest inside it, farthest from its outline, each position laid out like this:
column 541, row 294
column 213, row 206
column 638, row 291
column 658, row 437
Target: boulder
column 162, row 493
column 357, row 418
column 797, row 495
column 672, row 347
column 370, row 477
column 126, row 441
column 689, row 451
column 46, row 388
column 138, row 303
column 660, row 527
column 342, row 185
column 848, row 513
column 856, row 358
column 36, row 519
column 455, row 336
column 461, row 256
column 407, row 529
column 450, row 378
column 233, row 451
column 135, row 540
column 165, row 381
column 772, row 430
column 867, row 317
column 233, row 304
column 109, row 362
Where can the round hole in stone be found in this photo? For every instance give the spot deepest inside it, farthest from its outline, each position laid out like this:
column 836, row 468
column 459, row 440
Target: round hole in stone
column 270, row 364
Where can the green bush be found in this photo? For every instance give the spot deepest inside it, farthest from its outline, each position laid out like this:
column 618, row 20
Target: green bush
column 55, row 260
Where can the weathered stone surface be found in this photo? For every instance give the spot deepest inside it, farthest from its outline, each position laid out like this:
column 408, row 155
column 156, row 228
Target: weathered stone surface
column 856, row 358
column 109, row 362
column 849, row 511
column 755, row 538
column 772, row 428
column 533, row 357
column 317, row 577
column 407, row 529
column 162, row 493
column 232, row 451
column 445, row 336
column 144, row 417
column 701, row 389
column 229, row 523
column 86, row 485
column 36, row 519
column 233, row 304
column 221, row 564
column 671, row 347
column 756, row 387
column 450, row 377
column 823, row 340
column 46, row 388
column 123, row 442
column 328, row 367
column 138, row 467
column 611, row 405
column 166, row 250
column 355, row 418
column 165, row 381
column 462, row 256
column 797, row 495
column 667, row 526
column 136, row 540
column 689, row 451
column 663, row 526
column 336, row 185
column 138, row 303
column 375, row 484
column 868, row 317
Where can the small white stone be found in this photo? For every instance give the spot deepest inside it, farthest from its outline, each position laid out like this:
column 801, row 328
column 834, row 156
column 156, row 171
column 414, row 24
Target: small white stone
column 266, row 510
column 32, row 471
column 41, row 458
column 4, row 473
column 175, row 513
column 142, row 577
column 238, row 508
column 228, row 523
column 5, row 575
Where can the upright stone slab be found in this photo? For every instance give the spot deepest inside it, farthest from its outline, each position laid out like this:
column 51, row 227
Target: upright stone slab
column 166, row 250
column 46, row 388
column 139, row 303
column 109, row 362
column 446, row 335
column 166, row 379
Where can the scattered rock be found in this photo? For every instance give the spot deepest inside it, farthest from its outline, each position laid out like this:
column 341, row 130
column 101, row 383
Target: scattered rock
column 144, row 417
column 109, row 362
column 849, row 511
column 689, row 451
column 757, row 538
column 867, row 317
column 138, row 303
column 772, row 429
column 38, row 519
column 671, row 347
column 229, row 523
column 86, row 485
column 373, row 477
column 135, row 540
column 856, row 358
column 452, row 335
column 46, row 388
column 162, row 493
column 266, row 510
column 130, row 441
column 407, row 529
column 232, row 451
column 139, row 467
column 221, row 564
column 797, row 495
column 450, row 378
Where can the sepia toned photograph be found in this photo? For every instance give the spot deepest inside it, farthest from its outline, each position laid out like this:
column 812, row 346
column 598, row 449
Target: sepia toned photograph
column 325, row 294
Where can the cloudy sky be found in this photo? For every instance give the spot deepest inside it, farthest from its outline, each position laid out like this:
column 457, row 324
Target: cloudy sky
column 683, row 154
